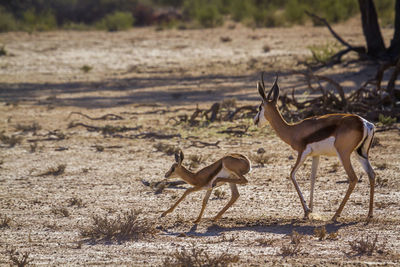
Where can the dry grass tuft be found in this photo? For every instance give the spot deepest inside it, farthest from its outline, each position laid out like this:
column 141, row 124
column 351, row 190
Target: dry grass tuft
column 60, row 211
column 54, row 170
column 34, row 127
column 381, row 182
column 265, row 242
column 261, row 159
column 166, row 148
column 11, row 140
column 219, row 194
column 5, row 222
column 366, row 247
column 294, row 247
column 296, row 238
column 198, row 257
column 74, row 201
column 123, row 227
column 290, row 250
column 17, row 258
column 320, row 232
column 195, row 161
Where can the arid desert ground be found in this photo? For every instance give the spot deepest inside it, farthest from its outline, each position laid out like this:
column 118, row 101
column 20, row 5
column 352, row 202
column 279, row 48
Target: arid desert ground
column 89, row 121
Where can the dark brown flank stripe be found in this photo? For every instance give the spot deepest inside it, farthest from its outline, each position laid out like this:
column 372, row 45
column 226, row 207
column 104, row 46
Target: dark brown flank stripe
column 320, row 134
column 217, row 170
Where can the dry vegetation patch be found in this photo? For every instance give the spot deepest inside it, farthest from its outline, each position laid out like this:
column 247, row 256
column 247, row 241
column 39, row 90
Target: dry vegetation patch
column 125, row 227
column 199, row 257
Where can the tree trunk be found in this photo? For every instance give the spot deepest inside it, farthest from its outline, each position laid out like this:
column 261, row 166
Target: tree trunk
column 394, row 49
column 371, row 29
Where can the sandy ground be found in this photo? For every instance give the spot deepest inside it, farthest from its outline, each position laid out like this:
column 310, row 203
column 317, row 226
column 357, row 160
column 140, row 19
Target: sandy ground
column 148, row 77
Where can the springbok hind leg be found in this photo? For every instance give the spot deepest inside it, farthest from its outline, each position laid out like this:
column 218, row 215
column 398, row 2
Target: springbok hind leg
column 345, row 158
column 234, row 197
column 371, row 176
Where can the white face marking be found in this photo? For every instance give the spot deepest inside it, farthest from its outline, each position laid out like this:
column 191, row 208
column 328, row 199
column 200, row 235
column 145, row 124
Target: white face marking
column 324, row 147
column 261, row 118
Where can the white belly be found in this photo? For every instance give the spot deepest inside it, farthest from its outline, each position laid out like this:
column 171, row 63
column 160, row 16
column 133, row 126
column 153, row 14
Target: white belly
column 324, row 147
column 222, row 174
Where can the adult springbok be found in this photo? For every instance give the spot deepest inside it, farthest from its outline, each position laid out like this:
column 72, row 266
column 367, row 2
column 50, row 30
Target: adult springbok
column 229, row 169
column 330, row 135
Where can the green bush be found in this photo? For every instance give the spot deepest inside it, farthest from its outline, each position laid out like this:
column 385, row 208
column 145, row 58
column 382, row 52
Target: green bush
column 294, row 12
column 208, row 16
column 7, row 21
column 43, row 21
column 116, row 21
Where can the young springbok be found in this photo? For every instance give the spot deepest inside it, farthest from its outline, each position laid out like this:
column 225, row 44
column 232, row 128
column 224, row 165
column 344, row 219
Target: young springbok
column 330, row 135
column 229, row 169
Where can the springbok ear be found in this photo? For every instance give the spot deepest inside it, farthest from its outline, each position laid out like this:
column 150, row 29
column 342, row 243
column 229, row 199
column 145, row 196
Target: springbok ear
column 177, row 158
column 261, row 91
column 181, row 156
column 275, row 89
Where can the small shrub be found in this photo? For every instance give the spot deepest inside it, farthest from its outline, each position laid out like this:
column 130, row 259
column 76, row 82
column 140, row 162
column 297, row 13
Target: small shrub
column 7, row 21
column 124, row 227
column 198, row 257
column 195, row 161
column 19, row 259
column 34, row 127
column 43, row 21
column 60, row 211
column 55, row 171
column 264, row 242
column 366, row 247
column 11, row 141
column 33, row 147
column 260, row 159
column 381, row 182
column 294, row 12
column 290, row 250
column 3, row 51
column 295, row 237
column 208, row 16
column 166, row 148
column 266, row 48
column 320, row 232
column 386, row 121
column 74, row 201
column 116, row 21
column 229, row 103
column 219, row 194
column 86, row 68
column 324, row 53
column 5, row 222
column 225, row 39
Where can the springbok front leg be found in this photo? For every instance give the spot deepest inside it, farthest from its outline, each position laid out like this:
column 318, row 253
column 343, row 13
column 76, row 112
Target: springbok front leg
column 187, row 192
column 300, row 160
column 234, row 197
column 315, row 162
column 205, row 200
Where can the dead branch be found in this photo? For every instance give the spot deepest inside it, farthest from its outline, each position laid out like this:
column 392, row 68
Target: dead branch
column 105, row 130
column 358, row 49
column 109, row 116
column 384, row 129
column 152, row 135
column 236, row 130
column 201, row 144
column 55, row 135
